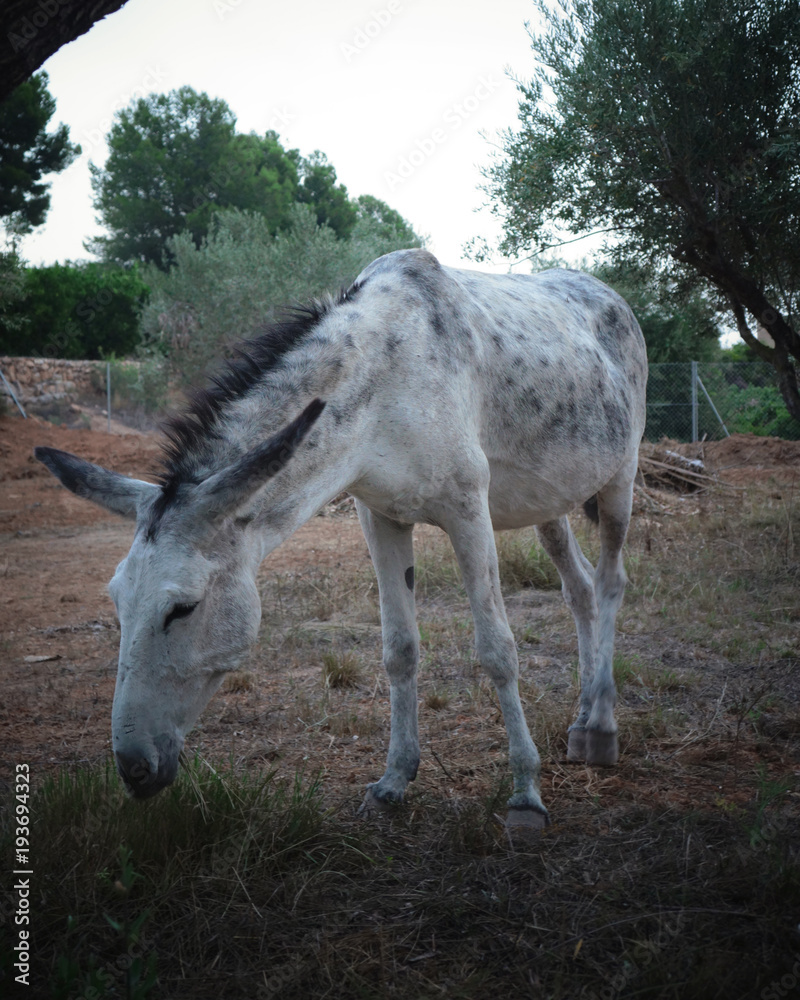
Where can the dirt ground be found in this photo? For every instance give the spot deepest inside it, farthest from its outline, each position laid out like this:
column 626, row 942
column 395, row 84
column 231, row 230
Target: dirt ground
column 58, row 631
column 59, row 636
column 746, row 458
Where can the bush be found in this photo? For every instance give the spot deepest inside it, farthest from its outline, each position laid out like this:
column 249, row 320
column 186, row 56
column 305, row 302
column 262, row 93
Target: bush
column 135, row 385
column 221, row 293
column 744, row 394
column 748, row 401
column 74, row 311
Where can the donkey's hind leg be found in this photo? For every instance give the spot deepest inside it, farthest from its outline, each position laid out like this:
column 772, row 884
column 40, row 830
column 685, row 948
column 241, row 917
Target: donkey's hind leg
column 577, row 579
column 614, row 509
column 392, row 550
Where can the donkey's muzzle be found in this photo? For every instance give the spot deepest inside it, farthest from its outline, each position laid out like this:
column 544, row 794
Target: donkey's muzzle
column 144, row 774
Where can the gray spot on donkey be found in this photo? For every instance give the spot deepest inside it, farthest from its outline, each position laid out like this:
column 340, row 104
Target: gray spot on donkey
column 469, row 401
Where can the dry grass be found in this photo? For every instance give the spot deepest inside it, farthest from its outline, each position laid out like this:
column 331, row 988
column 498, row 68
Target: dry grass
column 238, row 681
column 675, row 874
column 340, row 669
column 436, row 699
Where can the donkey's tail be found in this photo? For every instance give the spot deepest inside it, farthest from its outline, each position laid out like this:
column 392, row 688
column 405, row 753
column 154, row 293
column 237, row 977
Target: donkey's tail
column 590, row 509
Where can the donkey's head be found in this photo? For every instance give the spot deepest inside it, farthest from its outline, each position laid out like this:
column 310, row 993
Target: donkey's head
column 185, row 595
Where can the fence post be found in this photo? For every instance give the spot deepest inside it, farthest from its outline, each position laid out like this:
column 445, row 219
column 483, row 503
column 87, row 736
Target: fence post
column 695, row 432
column 711, row 404
column 108, row 393
column 11, row 393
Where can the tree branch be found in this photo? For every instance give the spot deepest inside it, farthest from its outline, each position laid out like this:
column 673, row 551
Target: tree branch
column 756, row 346
column 777, row 357
column 30, row 32
column 563, row 243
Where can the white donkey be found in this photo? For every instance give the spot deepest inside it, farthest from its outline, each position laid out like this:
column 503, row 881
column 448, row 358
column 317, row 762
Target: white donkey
column 470, row 401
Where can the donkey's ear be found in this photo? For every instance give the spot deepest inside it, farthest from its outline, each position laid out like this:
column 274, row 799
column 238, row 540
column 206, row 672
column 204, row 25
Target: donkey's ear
column 223, row 492
column 111, row 490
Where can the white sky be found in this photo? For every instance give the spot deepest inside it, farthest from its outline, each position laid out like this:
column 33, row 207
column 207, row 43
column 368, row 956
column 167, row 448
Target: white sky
column 395, row 92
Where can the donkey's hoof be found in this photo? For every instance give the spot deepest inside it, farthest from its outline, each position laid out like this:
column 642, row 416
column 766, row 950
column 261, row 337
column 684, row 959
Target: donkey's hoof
column 526, row 821
column 602, row 749
column 576, row 746
column 375, row 805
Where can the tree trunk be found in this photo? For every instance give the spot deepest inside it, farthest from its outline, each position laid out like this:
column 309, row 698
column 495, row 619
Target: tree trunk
column 787, row 383
column 778, row 356
column 743, row 293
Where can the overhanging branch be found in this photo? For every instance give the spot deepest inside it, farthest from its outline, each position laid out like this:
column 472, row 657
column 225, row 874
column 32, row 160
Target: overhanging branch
column 31, row 31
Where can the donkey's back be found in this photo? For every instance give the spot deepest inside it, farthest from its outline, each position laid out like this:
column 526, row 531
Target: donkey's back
column 544, row 374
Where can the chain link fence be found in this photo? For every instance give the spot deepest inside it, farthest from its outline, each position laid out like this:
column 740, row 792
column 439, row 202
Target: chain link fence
column 692, row 400
column 77, row 393
column 687, row 401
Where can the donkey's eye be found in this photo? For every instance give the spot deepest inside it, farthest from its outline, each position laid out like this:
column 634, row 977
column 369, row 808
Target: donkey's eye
column 179, row 611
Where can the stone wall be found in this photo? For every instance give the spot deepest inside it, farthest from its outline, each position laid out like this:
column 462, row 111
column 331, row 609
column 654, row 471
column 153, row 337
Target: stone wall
column 45, row 380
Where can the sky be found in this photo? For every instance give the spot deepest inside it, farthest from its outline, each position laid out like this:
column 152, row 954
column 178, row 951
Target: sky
column 405, row 97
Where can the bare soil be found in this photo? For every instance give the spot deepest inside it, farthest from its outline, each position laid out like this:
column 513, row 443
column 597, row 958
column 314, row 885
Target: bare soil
column 697, row 824
column 59, row 636
column 746, row 458
column 57, row 553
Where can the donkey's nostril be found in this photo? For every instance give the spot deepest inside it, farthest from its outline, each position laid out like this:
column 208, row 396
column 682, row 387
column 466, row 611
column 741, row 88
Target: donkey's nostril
column 135, row 771
column 146, row 775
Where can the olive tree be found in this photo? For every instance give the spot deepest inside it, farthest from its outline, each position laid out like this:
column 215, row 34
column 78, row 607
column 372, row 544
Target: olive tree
column 673, row 126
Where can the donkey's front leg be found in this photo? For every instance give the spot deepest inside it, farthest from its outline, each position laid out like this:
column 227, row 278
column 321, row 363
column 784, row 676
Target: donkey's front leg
column 473, row 541
column 392, row 550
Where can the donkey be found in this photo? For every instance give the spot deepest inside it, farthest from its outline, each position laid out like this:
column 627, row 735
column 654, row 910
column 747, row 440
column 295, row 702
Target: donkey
column 448, row 397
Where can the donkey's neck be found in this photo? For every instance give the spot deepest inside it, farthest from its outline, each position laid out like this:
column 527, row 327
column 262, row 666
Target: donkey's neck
column 326, row 463
column 325, row 363
column 318, row 370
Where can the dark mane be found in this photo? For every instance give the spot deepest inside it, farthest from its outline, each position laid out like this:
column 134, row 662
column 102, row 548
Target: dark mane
column 187, row 431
